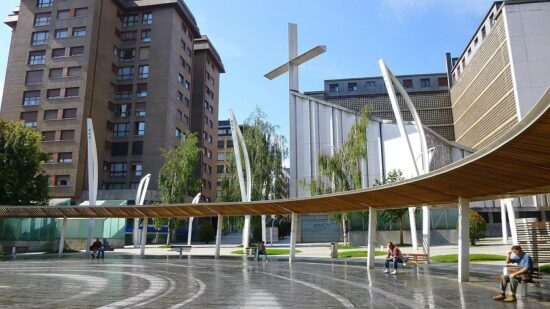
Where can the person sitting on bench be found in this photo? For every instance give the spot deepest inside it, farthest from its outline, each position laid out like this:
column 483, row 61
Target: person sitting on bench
column 105, row 247
column 95, row 247
column 524, row 274
column 394, row 254
column 261, row 250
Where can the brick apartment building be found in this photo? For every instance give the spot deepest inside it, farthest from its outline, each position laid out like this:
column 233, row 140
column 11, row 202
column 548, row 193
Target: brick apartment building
column 139, row 68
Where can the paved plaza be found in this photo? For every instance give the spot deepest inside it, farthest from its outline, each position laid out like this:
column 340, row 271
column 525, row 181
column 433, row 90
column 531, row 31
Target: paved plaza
column 122, row 281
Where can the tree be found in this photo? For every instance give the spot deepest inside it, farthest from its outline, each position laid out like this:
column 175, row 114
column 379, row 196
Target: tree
column 176, row 178
column 393, row 215
column 266, row 150
column 206, row 232
column 478, row 226
column 22, row 178
column 341, row 171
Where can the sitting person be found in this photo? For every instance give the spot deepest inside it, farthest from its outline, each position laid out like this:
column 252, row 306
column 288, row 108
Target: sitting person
column 95, row 247
column 104, row 247
column 394, row 254
column 524, row 274
column 261, row 250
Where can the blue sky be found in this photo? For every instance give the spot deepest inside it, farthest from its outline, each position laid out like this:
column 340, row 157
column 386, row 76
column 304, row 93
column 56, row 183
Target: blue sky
column 251, row 37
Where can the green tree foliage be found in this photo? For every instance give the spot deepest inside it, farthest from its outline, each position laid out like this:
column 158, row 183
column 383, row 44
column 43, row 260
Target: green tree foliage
column 342, row 170
column 393, row 215
column 206, row 232
column 478, row 227
column 266, row 150
column 176, row 179
column 22, row 178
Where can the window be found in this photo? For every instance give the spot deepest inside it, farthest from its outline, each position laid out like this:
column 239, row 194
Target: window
column 58, row 52
column 122, row 110
column 229, row 144
column 117, row 170
column 144, row 53
column 81, row 12
column 71, row 92
column 181, row 80
column 137, row 169
column 333, row 88
column 130, row 20
column 44, row 3
column 180, row 96
column 352, row 86
column 50, row 114
column 371, row 83
column 128, row 36
column 125, row 73
column 69, row 113
column 187, row 85
column 146, row 36
column 42, row 19
column 126, row 54
column 210, row 139
column 187, row 102
column 219, row 169
column 79, row 31
column 53, row 93
column 425, row 82
column 48, row 136
column 119, row 149
column 143, row 71
column 139, row 128
column 147, row 18
column 31, row 98
column 65, row 157
column 49, row 160
column 221, row 155
column 123, row 91
column 140, row 109
column 67, row 135
column 442, row 82
column 469, row 51
column 62, row 180
column 77, row 51
column 39, row 38
column 137, row 148
column 61, row 33
column 37, row 57
column 179, row 133
column 476, row 41
column 121, row 129
column 73, row 71
column 56, row 73
column 63, row 14
column 34, row 77
column 483, row 33
column 142, row 90
column 29, row 118
column 408, row 83
column 186, row 119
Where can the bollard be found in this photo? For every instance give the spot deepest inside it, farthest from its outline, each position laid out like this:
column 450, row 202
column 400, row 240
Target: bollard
column 333, row 250
column 13, row 250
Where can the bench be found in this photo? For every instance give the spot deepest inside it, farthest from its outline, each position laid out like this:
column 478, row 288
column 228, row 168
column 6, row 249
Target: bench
column 15, row 249
column 180, row 248
column 534, row 239
column 415, row 258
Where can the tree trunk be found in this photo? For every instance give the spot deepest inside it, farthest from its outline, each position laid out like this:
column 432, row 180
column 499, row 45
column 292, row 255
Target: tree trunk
column 168, row 235
column 401, row 230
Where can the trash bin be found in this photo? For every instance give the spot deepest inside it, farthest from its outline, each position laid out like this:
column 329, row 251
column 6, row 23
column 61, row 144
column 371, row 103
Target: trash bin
column 333, row 250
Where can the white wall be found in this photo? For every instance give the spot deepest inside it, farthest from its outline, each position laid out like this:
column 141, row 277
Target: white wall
column 528, row 32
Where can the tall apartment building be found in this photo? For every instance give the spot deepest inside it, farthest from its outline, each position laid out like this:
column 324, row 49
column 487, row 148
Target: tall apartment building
column 224, row 151
column 502, row 72
column 127, row 64
column 429, row 93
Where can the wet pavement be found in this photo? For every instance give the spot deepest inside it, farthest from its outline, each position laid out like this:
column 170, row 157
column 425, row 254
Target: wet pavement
column 128, row 281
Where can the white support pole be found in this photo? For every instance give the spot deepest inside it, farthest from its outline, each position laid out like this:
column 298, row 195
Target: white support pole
column 463, row 240
column 62, row 237
column 140, row 199
column 373, row 221
column 512, row 220
column 264, row 234
column 426, row 230
column 189, row 231
column 219, row 236
column 92, row 178
column 293, row 234
column 144, row 235
column 503, row 222
column 412, row 223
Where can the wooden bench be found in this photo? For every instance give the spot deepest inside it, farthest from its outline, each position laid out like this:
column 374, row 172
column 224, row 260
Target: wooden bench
column 180, row 248
column 415, row 258
column 534, row 239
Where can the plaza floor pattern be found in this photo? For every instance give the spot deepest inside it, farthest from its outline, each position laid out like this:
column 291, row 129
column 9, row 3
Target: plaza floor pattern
column 235, row 283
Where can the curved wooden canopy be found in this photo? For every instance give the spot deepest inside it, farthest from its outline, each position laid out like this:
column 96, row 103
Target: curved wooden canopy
column 516, row 164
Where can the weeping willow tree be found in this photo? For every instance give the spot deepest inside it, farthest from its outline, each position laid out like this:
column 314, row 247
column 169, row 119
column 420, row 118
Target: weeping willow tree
column 176, row 180
column 341, row 171
column 266, row 150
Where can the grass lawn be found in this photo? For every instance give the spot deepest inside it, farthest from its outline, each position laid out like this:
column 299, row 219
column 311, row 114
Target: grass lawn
column 269, row 251
column 360, row 253
column 545, row 268
column 453, row 258
column 348, row 247
column 166, row 246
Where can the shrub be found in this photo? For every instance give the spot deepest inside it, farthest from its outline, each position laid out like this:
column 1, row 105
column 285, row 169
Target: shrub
column 478, row 227
column 206, row 232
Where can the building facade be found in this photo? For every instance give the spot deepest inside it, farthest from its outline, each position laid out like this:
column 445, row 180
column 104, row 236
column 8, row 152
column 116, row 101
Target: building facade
column 127, row 64
column 429, row 93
